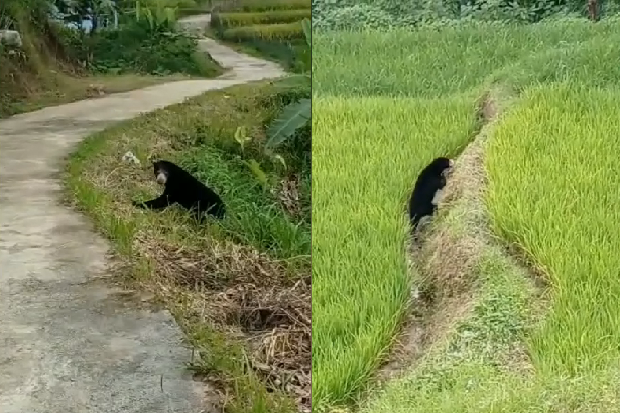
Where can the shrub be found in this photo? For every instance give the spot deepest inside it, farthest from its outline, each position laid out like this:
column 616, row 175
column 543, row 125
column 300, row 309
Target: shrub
column 280, row 31
column 140, row 46
column 226, row 20
column 352, row 15
column 356, row 17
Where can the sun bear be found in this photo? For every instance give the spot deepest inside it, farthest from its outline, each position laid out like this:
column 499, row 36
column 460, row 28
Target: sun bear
column 180, row 187
column 429, row 182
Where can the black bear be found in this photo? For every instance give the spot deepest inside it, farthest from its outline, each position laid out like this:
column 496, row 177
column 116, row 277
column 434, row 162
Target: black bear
column 429, row 182
column 182, row 188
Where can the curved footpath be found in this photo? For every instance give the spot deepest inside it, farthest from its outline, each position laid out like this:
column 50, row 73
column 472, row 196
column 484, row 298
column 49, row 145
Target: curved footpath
column 68, row 341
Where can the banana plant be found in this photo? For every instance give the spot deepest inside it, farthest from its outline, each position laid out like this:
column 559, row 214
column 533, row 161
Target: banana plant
column 296, row 114
column 156, row 14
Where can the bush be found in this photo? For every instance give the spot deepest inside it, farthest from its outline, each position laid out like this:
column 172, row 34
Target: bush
column 136, row 47
column 280, row 31
column 352, row 15
column 356, row 17
column 226, row 20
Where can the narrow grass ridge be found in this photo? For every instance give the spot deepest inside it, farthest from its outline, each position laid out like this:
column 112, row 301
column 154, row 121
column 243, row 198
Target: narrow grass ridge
column 472, row 302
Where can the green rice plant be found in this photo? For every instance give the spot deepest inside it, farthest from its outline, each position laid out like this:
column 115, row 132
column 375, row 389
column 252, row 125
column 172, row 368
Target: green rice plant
column 455, row 59
column 553, row 187
column 366, row 155
column 554, row 190
column 221, row 21
column 264, row 5
column 276, row 32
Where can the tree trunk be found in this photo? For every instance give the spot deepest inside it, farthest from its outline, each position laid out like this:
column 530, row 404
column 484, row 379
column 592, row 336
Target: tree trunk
column 593, row 10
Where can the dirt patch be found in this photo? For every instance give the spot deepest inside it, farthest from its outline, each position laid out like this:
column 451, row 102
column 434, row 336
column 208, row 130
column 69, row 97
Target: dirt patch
column 249, row 297
column 445, row 254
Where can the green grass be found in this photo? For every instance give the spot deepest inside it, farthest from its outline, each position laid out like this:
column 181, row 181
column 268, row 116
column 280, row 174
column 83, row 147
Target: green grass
column 565, row 216
column 466, row 373
column 258, row 249
column 360, row 282
column 546, row 153
column 431, row 63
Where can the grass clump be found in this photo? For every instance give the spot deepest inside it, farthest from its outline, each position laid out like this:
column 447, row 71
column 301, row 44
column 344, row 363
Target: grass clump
column 240, row 287
column 359, row 270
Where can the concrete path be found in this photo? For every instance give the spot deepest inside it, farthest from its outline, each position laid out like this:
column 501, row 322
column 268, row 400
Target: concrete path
column 69, row 342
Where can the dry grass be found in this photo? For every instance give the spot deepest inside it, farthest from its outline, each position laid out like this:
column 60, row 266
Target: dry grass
column 239, row 290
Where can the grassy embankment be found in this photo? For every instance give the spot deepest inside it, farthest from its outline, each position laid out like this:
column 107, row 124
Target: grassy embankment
column 240, row 288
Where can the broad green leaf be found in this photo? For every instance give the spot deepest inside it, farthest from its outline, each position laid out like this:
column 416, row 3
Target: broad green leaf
column 293, row 116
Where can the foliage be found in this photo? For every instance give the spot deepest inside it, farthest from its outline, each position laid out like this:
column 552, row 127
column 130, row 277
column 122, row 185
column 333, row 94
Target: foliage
column 146, row 42
column 220, row 21
column 384, row 14
column 355, row 17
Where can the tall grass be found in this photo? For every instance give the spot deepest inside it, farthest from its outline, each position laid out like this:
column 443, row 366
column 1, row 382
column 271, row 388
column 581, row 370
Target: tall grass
column 431, row 63
column 554, row 190
column 366, row 154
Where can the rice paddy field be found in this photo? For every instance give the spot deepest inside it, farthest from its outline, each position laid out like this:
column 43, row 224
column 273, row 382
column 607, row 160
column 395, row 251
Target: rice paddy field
column 541, row 332
column 268, row 28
